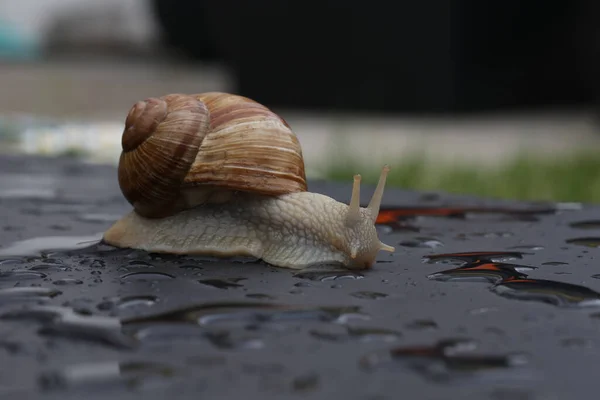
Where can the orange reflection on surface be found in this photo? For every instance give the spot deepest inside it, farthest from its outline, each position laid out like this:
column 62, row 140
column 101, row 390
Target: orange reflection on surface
column 392, row 215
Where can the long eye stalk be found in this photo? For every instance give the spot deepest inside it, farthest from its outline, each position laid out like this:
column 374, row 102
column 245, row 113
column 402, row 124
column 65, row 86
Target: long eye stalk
column 375, row 202
column 353, row 215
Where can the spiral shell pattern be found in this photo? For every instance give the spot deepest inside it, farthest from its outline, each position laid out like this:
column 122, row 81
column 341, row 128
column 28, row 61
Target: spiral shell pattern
column 249, row 148
column 205, row 141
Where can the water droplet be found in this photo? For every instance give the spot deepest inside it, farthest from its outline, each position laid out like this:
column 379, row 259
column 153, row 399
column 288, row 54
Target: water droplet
column 260, row 296
column 327, row 275
column 67, row 282
column 422, row 242
column 477, row 256
column 482, row 272
column 101, row 376
column 127, row 302
column 138, row 264
column 349, row 317
column 11, row 261
column 444, row 361
column 511, row 281
column 527, row 247
column 146, row 276
column 591, row 224
column 556, row 293
column 20, row 275
column 422, row 324
column 136, row 301
column 49, row 267
column 41, row 245
column 166, row 332
column 66, row 322
column 555, row 263
column 222, row 283
column 53, row 261
column 585, row 241
column 331, row 333
column 135, row 254
column 25, row 292
column 368, row 295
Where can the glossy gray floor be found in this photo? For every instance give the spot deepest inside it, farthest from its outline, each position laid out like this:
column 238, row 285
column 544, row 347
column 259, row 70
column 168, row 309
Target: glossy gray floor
column 521, row 322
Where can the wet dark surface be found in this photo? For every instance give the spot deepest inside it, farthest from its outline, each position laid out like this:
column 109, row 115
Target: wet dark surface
column 481, row 300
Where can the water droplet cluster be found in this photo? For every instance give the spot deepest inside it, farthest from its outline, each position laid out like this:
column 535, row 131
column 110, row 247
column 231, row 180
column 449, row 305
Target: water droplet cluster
column 510, row 309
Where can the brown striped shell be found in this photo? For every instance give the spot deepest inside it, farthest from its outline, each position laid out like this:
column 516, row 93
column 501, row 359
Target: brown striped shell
column 180, row 147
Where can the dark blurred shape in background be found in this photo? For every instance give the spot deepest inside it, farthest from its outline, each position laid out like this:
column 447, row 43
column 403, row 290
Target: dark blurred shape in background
column 408, row 57
column 442, row 90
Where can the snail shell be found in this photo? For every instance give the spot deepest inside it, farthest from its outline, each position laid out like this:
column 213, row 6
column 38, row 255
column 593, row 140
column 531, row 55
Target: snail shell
column 180, row 151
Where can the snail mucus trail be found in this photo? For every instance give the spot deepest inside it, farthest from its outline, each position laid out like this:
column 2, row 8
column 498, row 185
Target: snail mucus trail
column 222, row 175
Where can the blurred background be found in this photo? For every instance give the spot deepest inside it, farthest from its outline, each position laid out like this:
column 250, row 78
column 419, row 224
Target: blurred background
column 496, row 98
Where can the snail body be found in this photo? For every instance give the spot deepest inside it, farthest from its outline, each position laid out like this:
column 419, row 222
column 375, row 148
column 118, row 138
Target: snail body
column 219, row 174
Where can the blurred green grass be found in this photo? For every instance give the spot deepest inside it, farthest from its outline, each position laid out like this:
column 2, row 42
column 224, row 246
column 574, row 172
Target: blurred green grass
column 572, row 177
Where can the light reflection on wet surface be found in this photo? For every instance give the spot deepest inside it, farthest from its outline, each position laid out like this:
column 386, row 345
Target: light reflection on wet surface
column 499, row 310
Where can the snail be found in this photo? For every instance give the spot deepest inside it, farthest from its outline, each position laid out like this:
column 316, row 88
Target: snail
column 220, row 174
